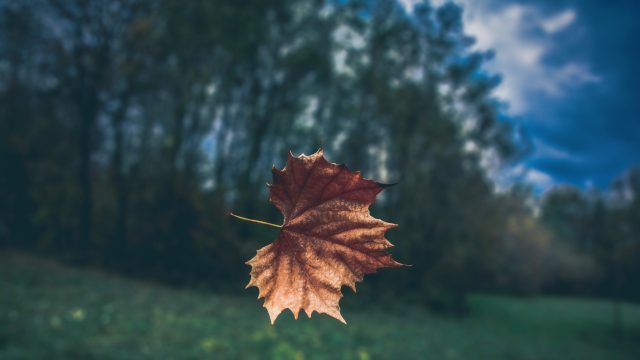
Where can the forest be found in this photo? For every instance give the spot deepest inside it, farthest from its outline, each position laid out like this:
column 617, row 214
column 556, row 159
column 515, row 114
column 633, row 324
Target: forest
column 129, row 127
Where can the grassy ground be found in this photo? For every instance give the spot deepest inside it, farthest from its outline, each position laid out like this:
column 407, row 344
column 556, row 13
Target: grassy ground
column 48, row 311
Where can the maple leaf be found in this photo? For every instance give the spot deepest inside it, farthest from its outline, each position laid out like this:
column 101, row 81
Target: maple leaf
column 328, row 238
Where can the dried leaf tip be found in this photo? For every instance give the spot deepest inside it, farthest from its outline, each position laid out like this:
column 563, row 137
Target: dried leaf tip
column 386, row 185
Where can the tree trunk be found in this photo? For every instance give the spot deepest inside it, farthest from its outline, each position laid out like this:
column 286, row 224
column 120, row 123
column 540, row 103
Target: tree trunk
column 119, row 244
column 176, row 146
column 88, row 112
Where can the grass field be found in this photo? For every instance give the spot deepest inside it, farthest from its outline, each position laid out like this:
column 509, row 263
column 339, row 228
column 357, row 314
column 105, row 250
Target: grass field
column 48, row 311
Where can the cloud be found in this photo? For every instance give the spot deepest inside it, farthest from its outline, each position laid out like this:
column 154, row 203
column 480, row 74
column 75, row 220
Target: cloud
column 540, row 180
column 556, row 23
column 508, row 176
column 546, row 151
column 522, row 38
column 513, row 31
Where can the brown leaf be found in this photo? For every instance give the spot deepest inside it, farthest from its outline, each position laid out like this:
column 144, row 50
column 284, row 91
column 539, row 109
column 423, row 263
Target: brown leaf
column 328, row 238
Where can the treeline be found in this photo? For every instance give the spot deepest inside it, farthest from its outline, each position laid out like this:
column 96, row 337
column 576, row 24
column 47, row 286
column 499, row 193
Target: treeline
column 604, row 226
column 129, row 127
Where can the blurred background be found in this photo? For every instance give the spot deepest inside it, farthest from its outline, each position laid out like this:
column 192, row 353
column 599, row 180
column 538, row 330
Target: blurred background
column 129, row 127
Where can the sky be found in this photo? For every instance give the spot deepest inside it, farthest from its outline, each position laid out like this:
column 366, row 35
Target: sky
column 571, row 76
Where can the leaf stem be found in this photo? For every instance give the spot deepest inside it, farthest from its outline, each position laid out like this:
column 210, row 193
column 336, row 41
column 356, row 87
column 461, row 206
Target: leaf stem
column 256, row 221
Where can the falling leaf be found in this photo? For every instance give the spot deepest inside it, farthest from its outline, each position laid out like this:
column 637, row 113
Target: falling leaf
column 328, row 238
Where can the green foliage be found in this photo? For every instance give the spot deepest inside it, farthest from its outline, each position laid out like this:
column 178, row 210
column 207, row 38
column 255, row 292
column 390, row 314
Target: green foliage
column 52, row 312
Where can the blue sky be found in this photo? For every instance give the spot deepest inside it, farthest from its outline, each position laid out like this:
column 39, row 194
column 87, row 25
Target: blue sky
column 571, row 75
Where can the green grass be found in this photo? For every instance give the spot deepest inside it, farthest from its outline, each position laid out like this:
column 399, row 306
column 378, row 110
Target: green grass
column 48, row 311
